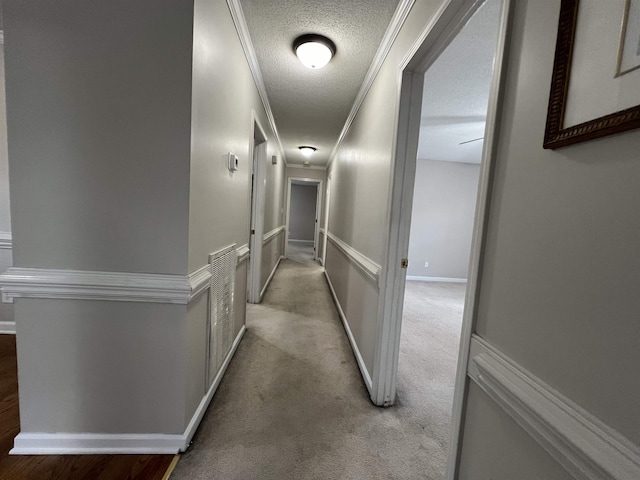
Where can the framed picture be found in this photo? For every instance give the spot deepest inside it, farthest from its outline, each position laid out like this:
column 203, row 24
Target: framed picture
column 595, row 86
column 629, row 54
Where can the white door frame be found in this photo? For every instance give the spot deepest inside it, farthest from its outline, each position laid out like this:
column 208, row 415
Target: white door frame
column 258, row 154
column 446, row 24
column 316, row 234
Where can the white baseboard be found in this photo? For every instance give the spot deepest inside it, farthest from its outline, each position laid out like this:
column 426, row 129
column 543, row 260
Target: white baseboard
column 204, row 404
column 273, row 272
column 354, row 346
column 310, row 242
column 586, row 447
column 436, row 279
column 115, row 444
column 8, row 327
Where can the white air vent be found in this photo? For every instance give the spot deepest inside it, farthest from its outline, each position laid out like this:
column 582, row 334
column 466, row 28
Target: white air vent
column 221, row 316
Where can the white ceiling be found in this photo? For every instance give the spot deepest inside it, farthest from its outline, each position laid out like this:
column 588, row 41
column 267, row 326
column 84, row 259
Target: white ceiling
column 310, row 107
column 456, row 91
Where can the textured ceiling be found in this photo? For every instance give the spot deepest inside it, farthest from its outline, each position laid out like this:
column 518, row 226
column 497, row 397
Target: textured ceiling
column 456, row 91
column 310, row 107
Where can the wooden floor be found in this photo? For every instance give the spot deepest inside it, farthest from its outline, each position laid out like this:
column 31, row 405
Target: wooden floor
column 53, row 467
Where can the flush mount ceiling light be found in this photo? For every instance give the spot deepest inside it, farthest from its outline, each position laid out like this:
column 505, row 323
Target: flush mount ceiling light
column 307, row 151
column 314, row 51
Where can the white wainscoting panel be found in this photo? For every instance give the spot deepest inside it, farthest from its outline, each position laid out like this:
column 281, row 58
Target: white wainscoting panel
column 354, row 346
column 368, row 267
column 586, row 447
column 267, row 237
column 114, row 444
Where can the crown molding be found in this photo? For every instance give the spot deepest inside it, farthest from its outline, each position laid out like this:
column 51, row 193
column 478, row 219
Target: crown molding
column 310, row 167
column 19, row 282
column 240, row 22
column 586, row 447
column 397, row 21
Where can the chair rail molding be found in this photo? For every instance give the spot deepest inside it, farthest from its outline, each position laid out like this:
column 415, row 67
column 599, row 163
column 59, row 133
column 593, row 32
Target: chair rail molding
column 267, row 237
column 19, row 282
column 242, row 253
column 586, row 447
column 368, row 267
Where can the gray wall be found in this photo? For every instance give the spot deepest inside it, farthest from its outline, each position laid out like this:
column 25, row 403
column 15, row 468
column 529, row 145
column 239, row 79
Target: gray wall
column 6, row 257
column 444, row 202
column 302, row 212
column 103, row 185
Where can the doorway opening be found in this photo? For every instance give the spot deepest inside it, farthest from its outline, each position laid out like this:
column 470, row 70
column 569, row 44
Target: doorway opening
column 258, row 154
column 444, row 150
column 304, row 203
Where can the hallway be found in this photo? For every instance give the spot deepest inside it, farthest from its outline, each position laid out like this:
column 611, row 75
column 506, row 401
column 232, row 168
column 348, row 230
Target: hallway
column 293, row 405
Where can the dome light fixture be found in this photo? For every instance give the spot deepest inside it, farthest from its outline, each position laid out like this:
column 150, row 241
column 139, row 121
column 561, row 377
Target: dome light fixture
column 314, row 51
column 306, row 150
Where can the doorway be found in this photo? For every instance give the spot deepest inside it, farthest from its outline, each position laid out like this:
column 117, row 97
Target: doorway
column 258, row 154
column 304, row 203
column 445, row 145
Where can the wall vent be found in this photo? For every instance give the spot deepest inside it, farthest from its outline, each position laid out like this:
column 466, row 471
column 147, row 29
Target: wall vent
column 221, row 312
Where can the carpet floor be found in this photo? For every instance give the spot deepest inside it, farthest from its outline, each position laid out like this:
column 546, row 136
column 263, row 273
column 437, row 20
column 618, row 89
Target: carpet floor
column 293, row 405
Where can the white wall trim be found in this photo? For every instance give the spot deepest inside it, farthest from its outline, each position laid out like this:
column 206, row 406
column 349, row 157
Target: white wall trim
column 397, row 21
column 242, row 253
column 300, row 166
column 240, row 22
column 113, row 444
column 301, row 241
column 6, row 240
column 8, row 328
column 267, row 237
column 582, row 444
column 19, row 282
column 95, row 444
column 1, row 37
column 354, row 346
column 418, row 278
column 273, row 272
column 200, row 281
column 368, row 267
column 204, row 404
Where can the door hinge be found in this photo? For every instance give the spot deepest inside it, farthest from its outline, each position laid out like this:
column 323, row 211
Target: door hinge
column 253, row 232
column 404, row 263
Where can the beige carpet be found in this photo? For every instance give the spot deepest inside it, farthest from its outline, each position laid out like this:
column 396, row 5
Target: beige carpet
column 293, row 405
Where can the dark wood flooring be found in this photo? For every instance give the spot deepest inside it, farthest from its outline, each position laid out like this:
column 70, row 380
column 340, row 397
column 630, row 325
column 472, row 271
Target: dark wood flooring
column 63, row 467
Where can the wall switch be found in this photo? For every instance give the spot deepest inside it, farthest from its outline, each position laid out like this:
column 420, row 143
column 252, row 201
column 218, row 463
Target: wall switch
column 426, row 264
